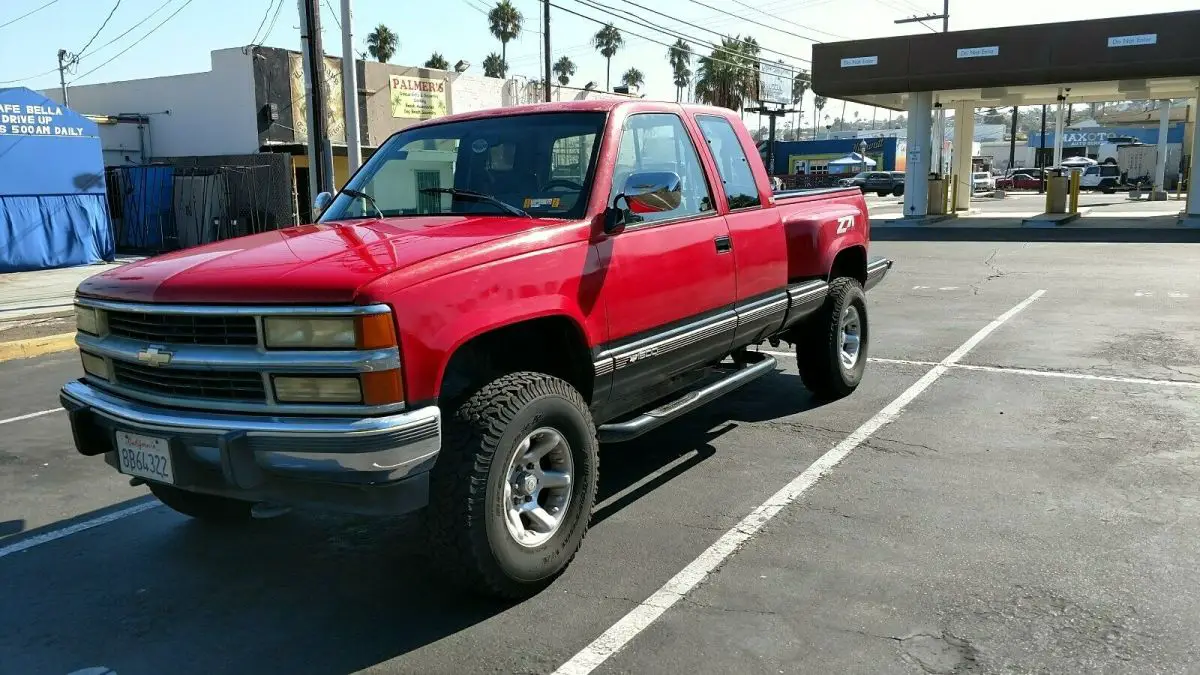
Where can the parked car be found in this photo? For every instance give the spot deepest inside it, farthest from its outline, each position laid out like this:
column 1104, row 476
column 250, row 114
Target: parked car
column 1103, row 177
column 489, row 298
column 856, row 180
column 884, row 183
column 982, row 181
column 1019, row 181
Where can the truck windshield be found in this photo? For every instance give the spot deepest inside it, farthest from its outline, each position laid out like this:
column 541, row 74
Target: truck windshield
column 540, row 164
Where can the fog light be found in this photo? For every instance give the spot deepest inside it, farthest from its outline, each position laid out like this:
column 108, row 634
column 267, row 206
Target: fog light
column 95, row 366
column 317, row 390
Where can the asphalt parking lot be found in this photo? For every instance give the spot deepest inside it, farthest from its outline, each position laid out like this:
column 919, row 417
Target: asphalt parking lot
column 1011, row 490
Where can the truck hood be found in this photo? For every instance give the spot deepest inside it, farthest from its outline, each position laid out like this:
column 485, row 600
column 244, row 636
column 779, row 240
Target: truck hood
column 325, row 263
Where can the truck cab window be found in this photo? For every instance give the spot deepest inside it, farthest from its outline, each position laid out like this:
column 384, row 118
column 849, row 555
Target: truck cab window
column 659, row 142
column 738, row 180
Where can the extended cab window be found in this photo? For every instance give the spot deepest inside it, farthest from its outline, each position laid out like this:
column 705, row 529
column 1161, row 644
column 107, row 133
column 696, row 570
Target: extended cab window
column 732, row 164
column 539, row 163
column 659, row 142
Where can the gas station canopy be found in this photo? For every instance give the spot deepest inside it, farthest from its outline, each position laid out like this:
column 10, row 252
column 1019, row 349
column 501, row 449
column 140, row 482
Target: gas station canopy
column 1152, row 56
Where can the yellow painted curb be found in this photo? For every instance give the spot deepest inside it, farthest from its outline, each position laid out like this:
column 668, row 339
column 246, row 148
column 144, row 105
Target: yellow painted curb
column 27, row 349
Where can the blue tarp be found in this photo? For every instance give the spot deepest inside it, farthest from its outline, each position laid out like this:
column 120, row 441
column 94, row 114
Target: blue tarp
column 147, row 206
column 53, row 208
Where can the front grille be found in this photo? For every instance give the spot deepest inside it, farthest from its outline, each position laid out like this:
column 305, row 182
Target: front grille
column 222, row 385
column 187, row 329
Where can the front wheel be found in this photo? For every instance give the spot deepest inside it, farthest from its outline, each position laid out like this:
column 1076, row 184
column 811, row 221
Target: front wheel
column 514, row 486
column 832, row 353
column 898, row 191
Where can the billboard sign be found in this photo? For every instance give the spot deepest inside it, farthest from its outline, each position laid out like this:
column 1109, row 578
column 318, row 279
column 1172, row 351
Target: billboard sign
column 417, row 97
column 774, row 83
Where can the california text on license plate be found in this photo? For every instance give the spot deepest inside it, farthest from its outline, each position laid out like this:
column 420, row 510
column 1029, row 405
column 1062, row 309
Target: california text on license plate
column 145, row 456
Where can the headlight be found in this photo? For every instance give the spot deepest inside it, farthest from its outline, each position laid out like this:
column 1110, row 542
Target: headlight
column 318, row 390
column 87, row 320
column 368, row 331
column 302, row 333
column 95, row 366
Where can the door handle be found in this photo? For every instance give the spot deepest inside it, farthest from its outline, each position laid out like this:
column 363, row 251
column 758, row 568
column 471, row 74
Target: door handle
column 724, row 243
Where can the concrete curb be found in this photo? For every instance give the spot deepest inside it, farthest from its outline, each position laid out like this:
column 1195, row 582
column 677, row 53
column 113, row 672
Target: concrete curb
column 27, row 349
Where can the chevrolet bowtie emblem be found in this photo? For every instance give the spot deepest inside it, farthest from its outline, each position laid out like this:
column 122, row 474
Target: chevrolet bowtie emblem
column 154, row 357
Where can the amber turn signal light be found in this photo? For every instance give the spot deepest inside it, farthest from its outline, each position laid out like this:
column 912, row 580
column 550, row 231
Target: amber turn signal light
column 375, row 331
column 382, row 387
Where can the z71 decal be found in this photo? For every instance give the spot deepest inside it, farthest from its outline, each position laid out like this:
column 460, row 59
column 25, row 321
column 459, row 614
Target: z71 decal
column 845, row 224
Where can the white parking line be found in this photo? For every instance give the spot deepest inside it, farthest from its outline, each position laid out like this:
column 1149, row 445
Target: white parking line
column 640, row 617
column 26, row 544
column 30, row 415
column 1012, row 370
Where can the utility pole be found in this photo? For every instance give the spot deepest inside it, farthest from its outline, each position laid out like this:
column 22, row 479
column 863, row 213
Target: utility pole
column 944, row 16
column 350, row 90
column 62, row 79
column 1042, row 152
column 546, row 46
column 320, row 152
column 1012, row 142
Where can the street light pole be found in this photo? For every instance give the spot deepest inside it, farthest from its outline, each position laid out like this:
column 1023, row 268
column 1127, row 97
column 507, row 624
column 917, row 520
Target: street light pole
column 546, row 47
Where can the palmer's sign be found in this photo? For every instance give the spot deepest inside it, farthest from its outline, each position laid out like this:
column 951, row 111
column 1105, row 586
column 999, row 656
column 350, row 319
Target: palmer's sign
column 417, row 97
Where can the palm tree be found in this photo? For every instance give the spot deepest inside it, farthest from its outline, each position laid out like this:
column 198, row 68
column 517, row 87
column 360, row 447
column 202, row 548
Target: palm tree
column 564, row 67
column 728, row 77
column 437, row 62
column 680, row 56
column 607, row 41
column 494, row 66
column 818, row 103
column 505, row 23
column 633, row 78
column 800, row 84
column 382, row 43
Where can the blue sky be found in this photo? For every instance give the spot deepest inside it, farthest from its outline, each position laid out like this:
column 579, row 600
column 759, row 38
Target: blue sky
column 458, row 29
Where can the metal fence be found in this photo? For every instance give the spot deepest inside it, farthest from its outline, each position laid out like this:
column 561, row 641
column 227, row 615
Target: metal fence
column 166, row 207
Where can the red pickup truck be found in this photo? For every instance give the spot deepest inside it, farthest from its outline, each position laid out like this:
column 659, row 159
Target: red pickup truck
column 488, row 299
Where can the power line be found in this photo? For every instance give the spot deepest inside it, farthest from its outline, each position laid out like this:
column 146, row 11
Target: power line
column 785, row 20
column 131, row 28
column 757, row 23
column 136, row 42
column 22, row 79
column 335, row 14
column 270, row 5
column 595, row 4
column 29, row 13
column 271, row 26
column 99, row 30
column 650, row 39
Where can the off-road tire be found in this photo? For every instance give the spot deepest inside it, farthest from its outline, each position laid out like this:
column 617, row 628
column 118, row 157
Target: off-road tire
column 208, row 508
column 898, row 191
column 465, row 522
column 818, row 349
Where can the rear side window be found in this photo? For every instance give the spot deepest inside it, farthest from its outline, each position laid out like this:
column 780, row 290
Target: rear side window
column 736, row 176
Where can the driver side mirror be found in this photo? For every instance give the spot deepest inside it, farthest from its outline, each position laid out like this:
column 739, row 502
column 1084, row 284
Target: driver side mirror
column 321, row 203
column 644, row 192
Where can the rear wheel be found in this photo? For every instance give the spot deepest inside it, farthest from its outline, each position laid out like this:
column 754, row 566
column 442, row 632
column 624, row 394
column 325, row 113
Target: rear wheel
column 882, row 194
column 209, row 508
column 832, row 352
column 513, row 489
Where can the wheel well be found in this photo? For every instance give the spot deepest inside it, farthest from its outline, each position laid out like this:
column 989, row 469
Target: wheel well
column 553, row 345
column 850, row 262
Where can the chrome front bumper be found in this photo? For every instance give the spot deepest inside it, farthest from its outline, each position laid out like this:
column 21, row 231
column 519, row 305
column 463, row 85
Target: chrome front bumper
column 345, row 463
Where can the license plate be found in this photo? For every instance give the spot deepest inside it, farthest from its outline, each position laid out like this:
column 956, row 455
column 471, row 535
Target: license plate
column 145, row 456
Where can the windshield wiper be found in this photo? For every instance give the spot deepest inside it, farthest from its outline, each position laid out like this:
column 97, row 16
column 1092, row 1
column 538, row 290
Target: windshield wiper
column 359, row 194
column 478, row 197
